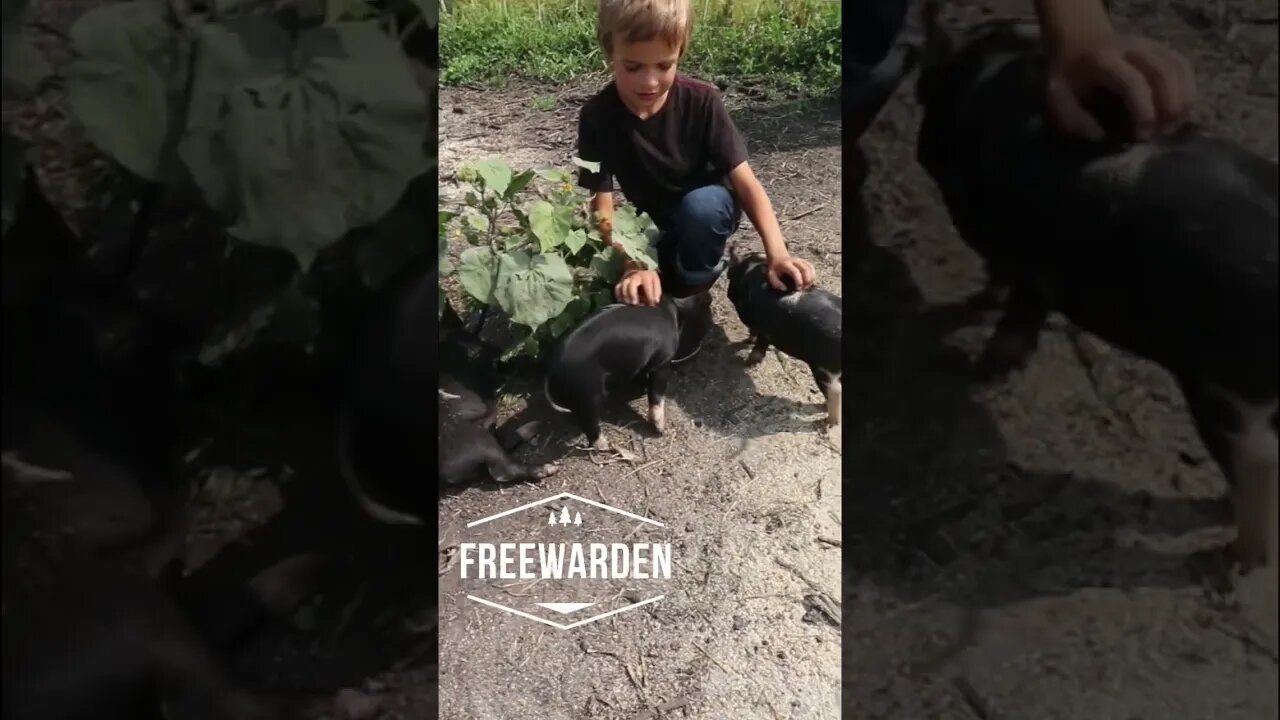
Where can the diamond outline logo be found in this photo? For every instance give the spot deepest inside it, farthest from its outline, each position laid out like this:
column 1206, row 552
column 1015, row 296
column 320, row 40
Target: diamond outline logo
column 560, row 496
column 564, row 608
column 570, row 626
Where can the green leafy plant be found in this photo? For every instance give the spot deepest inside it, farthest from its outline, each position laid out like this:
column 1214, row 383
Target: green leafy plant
column 295, row 129
column 301, row 125
column 532, row 250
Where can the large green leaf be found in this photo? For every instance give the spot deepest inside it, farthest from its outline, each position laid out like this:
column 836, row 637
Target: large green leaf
column 608, row 266
column 298, row 143
column 477, row 271
column 555, row 175
column 575, row 240
column 495, row 174
column 550, row 224
column 631, row 232
column 532, row 289
column 519, row 183
column 126, row 85
column 588, row 165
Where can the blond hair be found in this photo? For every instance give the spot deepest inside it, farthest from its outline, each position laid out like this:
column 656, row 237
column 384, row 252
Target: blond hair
column 643, row 20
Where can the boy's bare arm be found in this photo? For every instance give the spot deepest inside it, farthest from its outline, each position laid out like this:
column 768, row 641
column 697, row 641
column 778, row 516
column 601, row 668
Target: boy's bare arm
column 755, row 203
column 602, row 205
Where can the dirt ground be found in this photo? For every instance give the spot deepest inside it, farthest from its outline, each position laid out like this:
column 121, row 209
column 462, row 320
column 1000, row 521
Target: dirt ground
column 1032, row 549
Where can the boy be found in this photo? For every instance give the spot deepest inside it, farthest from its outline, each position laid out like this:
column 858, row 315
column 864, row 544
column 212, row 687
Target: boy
column 676, row 155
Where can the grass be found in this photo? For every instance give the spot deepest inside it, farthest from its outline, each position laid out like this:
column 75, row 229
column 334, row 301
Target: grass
column 792, row 44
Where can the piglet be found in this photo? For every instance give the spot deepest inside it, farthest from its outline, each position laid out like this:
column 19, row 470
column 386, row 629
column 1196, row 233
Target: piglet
column 470, row 443
column 619, row 346
column 804, row 324
column 1165, row 249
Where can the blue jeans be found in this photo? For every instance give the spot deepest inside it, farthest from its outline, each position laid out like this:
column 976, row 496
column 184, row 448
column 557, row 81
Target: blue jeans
column 692, row 242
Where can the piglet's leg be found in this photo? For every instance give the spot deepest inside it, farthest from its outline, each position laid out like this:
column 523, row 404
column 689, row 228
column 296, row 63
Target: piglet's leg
column 657, row 398
column 756, row 356
column 1016, row 336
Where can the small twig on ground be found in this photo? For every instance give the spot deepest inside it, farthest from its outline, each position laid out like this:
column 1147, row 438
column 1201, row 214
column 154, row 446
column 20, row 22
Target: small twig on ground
column 707, row 655
column 810, row 211
column 822, row 605
column 642, row 467
column 830, row 540
column 746, row 469
column 626, row 666
column 668, row 706
column 601, row 494
column 800, row 574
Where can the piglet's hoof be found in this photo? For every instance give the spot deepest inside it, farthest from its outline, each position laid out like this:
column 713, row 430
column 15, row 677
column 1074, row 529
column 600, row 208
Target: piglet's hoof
column 546, row 471
column 754, row 358
column 658, row 418
column 601, row 444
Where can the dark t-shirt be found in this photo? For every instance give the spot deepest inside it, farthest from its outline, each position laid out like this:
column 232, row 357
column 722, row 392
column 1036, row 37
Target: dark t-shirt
column 689, row 143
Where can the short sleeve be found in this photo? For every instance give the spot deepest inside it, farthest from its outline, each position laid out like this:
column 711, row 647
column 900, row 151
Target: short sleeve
column 727, row 146
column 591, row 148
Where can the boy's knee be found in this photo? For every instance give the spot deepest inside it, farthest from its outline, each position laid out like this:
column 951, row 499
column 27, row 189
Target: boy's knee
column 708, row 207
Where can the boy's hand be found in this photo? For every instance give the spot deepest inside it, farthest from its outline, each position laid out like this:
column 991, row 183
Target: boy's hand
column 639, row 287
column 1156, row 83
column 800, row 272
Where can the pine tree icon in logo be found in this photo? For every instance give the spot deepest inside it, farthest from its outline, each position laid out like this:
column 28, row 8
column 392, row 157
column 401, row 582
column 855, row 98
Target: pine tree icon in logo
column 564, row 515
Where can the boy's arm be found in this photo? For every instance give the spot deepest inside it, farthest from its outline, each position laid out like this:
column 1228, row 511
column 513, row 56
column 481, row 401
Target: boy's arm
column 602, row 205
column 755, row 203
column 729, row 153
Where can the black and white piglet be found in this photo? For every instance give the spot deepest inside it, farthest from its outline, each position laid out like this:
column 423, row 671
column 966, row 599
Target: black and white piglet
column 804, row 324
column 1165, row 249
column 619, row 346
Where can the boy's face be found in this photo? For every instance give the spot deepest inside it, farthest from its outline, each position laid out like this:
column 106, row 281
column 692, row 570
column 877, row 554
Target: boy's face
column 644, row 71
